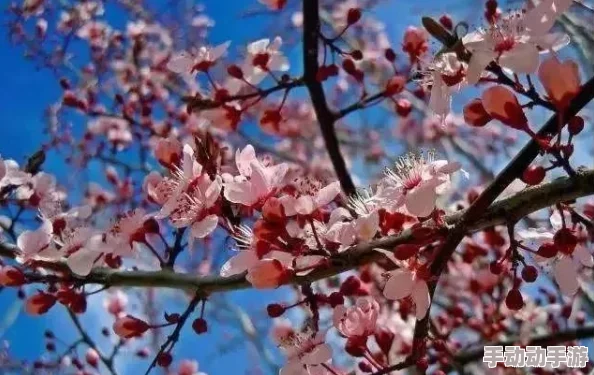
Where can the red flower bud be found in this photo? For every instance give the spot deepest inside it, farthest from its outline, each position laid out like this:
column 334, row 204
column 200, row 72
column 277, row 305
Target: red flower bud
column 575, row 125
column 40, row 303
column 336, row 298
column 390, row 55
column 353, row 15
column 357, row 55
column 275, row 310
column 273, row 210
column 475, row 114
column 502, row 104
column 199, row 326
column 548, row 250
column 405, row 251
column 446, row 22
column 384, row 339
column 514, row 300
column 350, row 286
column 403, row 107
column 11, row 276
column 128, row 326
column 164, row 359
column 529, row 274
column 395, row 86
column 92, row 358
column 534, row 175
column 235, row 71
column 349, row 66
column 565, row 240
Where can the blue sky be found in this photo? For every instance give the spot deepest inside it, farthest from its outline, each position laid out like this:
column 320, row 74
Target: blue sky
column 27, row 91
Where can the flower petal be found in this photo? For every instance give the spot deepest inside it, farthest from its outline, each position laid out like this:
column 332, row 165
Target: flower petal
column 205, row 227
column 421, row 200
column 566, row 276
column 399, row 285
column 523, row 58
column 420, row 295
column 239, row 263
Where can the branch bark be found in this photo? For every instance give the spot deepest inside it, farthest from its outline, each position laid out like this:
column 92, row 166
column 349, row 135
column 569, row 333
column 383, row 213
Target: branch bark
column 326, row 119
column 518, row 205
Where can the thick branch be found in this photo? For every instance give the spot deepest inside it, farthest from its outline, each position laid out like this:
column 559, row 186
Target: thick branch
column 518, row 205
column 311, row 32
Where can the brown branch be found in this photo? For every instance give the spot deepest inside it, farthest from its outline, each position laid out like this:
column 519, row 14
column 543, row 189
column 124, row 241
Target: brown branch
column 174, row 337
column 326, row 119
column 108, row 362
column 541, row 340
column 518, row 205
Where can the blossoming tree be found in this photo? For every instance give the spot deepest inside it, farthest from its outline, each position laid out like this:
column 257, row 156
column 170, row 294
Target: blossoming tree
column 222, row 167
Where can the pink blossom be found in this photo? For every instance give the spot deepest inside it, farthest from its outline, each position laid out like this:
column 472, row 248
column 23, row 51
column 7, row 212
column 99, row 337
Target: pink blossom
column 415, row 43
column 261, row 183
column 188, row 198
column 416, row 181
column 33, row 242
column 116, row 130
column 307, row 204
column 403, row 283
column 447, row 75
column 115, row 303
column 10, row 173
column 516, row 39
column 263, row 56
column 188, row 367
column 358, row 320
column 168, row 151
column 201, row 60
column 267, row 274
column 305, row 354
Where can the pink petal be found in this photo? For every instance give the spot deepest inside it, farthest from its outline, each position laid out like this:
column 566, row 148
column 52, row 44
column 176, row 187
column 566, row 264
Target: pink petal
column 420, row 295
column 566, row 276
column 478, row 62
column 327, row 194
column 583, row 256
column 81, row 262
column 181, row 63
column 289, row 203
column 448, row 168
column 239, row 263
column 258, row 46
column 441, row 99
column 213, row 192
column 305, row 205
column 243, row 160
column 320, row 354
column 540, row 19
column 399, row 285
column 219, row 50
column 421, row 200
column 367, row 226
column 205, row 227
column 523, row 58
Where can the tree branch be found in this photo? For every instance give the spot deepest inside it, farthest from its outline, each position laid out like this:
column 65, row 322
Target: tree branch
column 326, row 119
column 518, row 205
